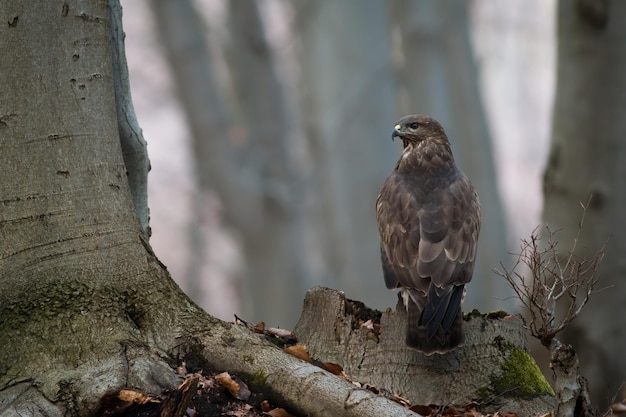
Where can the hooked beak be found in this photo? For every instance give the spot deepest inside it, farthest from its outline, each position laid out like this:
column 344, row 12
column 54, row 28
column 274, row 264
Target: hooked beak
column 396, row 132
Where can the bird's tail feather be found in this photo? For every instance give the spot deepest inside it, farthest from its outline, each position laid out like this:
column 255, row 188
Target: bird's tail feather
column 448, row 334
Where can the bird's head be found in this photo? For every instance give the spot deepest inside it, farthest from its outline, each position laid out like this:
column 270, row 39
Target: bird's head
column 417, row 128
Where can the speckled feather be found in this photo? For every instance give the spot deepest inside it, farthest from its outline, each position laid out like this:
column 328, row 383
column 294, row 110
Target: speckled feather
column 428, row 218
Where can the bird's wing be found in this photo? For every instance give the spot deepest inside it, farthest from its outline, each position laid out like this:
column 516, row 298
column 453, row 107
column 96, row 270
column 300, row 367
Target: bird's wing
column 428, row 241
column 449, row 222
column 398, row 226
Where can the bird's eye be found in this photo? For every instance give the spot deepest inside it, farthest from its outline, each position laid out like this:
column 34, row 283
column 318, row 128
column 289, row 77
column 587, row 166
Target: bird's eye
column 414, row 125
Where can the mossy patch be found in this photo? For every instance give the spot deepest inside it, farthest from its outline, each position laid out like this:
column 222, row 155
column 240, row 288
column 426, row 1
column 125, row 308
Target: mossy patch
column 497, row 315
column 520, row 377
column 259, row 378
column 492, row 315
column 521, row 374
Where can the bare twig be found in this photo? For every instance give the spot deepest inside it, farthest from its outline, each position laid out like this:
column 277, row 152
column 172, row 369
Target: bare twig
column 558, row 289
column 556, row 281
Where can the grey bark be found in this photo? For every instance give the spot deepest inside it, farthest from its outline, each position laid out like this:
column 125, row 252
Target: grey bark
column 572, row 389
column 331, row 328
column 586, row 158
column 74, row 273
column 437, row 75
column 310, row 390
column 134, row 146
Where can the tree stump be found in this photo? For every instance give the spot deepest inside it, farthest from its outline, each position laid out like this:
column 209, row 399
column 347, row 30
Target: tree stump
column 493, row 368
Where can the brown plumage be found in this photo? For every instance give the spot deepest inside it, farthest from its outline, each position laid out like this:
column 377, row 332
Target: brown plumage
column 428, row 218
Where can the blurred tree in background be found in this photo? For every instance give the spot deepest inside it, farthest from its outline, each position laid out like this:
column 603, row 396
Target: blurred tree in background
column 588, row 158
column 292, row 135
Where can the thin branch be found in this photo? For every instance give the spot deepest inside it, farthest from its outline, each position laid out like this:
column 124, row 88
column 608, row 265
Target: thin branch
column 558, row 288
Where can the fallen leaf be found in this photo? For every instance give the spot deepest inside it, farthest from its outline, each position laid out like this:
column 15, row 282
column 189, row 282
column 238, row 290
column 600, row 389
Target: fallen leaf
column 259, row 327
column 333, row 368
column 300, row 352
column 421, row 409
column 134, row 396
column 234, row 385
column 182, row 369
column 453, row 411
column 278, row 412
column 265, row 406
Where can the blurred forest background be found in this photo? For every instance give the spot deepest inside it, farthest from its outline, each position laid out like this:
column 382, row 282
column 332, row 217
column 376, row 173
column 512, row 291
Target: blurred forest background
column 269, row 131
column 269, row 124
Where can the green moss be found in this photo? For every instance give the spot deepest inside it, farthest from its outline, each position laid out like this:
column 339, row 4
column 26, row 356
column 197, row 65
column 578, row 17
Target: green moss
column 521, row 377
column 249, row 359
column 492, row 315
column 472, row 314
column 259, row 378
column 498, row 314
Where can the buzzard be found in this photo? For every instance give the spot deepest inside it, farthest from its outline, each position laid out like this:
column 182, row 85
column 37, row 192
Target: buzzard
column 428, row 218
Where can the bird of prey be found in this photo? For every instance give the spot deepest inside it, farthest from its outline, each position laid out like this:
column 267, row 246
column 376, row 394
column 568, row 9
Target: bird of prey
column 428, row 217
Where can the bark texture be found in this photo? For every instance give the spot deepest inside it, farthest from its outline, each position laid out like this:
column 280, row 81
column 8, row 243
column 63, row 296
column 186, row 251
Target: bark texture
column 481, row 370
column 134, row 146
column 81, row 295
column 586, row 158
column 572, row 389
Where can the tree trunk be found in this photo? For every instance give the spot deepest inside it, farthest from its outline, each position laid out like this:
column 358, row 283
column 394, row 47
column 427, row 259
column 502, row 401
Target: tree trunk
column 81, row 295
column 587, row 158
column 437, row 75
column 492, row 368
column 134, row 146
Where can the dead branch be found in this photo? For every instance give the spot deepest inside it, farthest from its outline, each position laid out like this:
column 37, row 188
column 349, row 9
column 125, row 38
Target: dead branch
column 557, row 289
column 556, row 282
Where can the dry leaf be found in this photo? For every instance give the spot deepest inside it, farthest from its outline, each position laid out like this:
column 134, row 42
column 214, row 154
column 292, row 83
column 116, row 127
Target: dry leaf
column 333, row 368
column 265, row 406
column 259, row 327
column 423, row 410
column 134, row 396
column 182, row 369
column 278, row 412
column 300, row 352
column 234, row 385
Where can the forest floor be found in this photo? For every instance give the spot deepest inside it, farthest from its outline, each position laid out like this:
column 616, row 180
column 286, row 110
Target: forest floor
column 209, row 393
